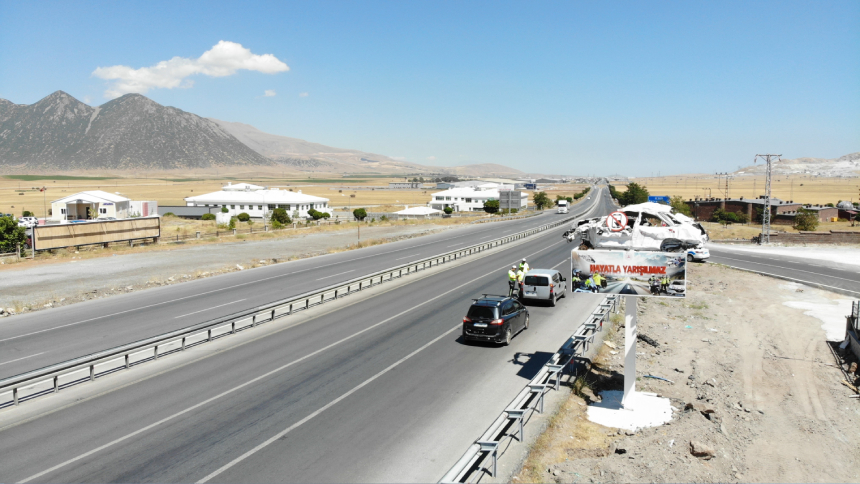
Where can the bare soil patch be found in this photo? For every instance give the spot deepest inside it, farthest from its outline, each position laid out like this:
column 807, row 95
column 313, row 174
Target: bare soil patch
column 758, row 392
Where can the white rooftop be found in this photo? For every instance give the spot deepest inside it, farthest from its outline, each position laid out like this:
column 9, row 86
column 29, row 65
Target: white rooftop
column 92, row 196
column 273, row 196
column 241, row 186
column 418, row 211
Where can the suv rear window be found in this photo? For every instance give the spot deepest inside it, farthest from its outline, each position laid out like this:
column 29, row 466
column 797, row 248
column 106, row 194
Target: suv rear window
column 481, row 312
column 536, row 281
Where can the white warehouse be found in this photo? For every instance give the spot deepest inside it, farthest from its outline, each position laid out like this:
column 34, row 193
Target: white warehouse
column 258, row 201
column 470, row 199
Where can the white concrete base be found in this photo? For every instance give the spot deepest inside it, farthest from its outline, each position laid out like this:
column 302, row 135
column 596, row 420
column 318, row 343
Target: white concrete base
column 639, row 411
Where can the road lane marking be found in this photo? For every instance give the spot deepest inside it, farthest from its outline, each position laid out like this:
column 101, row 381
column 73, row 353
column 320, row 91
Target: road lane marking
column 790, row 269
column 263, row 376
column 333, row 275
column 207, row 309
column 408, row 256
column 325, row 407
column 19, row 359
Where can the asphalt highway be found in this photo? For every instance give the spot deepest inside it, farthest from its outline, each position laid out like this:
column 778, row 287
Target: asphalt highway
column 35, row 340
column 376, row 388
column 842, row 278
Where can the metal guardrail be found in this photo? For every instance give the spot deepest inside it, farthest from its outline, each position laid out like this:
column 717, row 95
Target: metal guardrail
column 482, row 456
column 53, row 378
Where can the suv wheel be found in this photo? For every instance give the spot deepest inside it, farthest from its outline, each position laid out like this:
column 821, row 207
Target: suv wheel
column 507, row 336
column 689, row 258
column 526, row 325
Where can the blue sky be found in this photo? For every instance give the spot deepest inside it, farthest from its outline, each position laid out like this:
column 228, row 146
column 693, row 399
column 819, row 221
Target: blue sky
column 550, row 87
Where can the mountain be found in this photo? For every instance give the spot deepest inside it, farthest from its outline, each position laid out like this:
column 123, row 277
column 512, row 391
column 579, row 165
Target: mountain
column 61, row 133
column 845, row 166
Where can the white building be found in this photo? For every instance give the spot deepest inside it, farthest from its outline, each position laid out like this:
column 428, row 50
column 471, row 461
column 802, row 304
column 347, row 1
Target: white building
column 470, row 199
column 258, row 201
column 418, row 212
column 90, row 205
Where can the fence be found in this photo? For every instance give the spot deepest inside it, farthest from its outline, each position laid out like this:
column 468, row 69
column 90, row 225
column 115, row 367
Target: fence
column 53, row 378
column 47, row 237
column 482, row 456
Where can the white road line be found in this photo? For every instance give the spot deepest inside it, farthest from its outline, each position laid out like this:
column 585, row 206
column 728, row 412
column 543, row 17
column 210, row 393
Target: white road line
column 19, row 359
column 207, row 309
column 560, row 263
column 789, row 269
column 261, row 377
column 324, row 407
column 408, row 256
column 801, row 281
column 333, row 275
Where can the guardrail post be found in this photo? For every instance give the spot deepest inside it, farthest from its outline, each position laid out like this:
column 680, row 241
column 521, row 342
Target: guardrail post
column 493, row 449
column 92, row 372
column 126, row 362
column 155, row 353
column 273, row 314
column 555, row 374
column 209, row 336
column 15, row 396
column 56, row 384
column 335, row 293
column 233, row 327
column 183, row 343
column 518, row 416
column 538, row 388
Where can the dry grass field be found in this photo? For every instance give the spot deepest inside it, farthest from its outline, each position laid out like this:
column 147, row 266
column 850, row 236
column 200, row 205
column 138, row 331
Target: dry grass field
column 800, row 188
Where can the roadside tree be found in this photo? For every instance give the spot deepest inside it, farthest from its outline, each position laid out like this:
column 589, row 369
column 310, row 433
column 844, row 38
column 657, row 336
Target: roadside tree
column 280, row 215
column 677, row 202
column 806, row 220
column 448, row 210
column 491, row 206
column 541, row 200
column 359, row 214
column 11, row 234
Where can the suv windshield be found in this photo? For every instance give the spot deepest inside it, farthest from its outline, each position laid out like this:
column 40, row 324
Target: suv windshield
column 536, row 281
column 481, row 312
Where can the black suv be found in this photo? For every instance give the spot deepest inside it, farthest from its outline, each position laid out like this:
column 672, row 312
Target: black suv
column 495, row 318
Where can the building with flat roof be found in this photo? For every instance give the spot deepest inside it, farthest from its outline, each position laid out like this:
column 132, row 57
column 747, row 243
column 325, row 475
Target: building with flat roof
column 258, row 201
column 703, row 208
column 471, row 199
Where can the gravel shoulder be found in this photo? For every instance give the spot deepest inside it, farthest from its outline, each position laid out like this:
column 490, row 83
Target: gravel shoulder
column 61, row 282
column 755, row 388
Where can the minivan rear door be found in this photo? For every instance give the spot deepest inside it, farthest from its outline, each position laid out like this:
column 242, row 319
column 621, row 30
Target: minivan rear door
column 536, row 286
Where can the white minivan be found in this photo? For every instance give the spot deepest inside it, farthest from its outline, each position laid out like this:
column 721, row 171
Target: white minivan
column 562, row 206
column 546, row 284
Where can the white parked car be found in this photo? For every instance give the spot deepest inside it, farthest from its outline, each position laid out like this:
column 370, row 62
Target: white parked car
column 28, row 222
column 676, row 288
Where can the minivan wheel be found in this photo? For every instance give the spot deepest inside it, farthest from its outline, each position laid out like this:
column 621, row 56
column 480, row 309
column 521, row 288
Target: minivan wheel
column 526, row 326
column 552, row 300
column 689, row 258
column 507, row 337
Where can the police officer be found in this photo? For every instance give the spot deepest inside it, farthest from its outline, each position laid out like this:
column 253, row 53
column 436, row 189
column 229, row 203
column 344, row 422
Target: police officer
column 524, row 266
column 521, row 276
column 512, row 281
column 664, row 284
column 596, row 278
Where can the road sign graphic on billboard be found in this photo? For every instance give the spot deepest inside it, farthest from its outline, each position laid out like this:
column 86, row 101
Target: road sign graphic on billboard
column 632, row 273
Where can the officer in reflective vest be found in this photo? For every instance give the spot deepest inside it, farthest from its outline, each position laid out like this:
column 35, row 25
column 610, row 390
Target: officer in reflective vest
column 524, row 266
column 521, row 276
column 512, row 281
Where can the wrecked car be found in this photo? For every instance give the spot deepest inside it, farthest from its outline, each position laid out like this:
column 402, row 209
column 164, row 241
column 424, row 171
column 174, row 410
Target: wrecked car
column 645, row 226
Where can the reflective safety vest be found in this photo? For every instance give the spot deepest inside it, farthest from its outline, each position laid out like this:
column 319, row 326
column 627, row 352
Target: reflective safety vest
column 520, row 276
column 596, row 278
column 512, row 276
column 524, row 266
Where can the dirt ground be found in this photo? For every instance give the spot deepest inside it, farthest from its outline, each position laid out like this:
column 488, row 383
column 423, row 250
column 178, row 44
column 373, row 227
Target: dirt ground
column 754, row 381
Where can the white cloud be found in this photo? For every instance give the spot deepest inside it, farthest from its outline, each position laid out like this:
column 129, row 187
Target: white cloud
column 269, row 93
column 303, row 94
column 224, row 59
column 431, row 158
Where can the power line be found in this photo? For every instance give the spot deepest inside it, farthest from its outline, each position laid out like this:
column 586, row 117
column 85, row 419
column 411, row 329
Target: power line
column 765, row 214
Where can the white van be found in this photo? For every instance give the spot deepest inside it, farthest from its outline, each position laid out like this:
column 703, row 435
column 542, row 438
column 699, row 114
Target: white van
column 562, row 206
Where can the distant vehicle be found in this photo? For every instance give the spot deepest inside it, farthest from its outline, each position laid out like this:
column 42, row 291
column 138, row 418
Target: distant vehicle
column 545, row 284
column 698, row 254
column 106, row 218
column 495, row 319
column 562, row 206
column 28, row 222
column 589, row 198
column 676, row 288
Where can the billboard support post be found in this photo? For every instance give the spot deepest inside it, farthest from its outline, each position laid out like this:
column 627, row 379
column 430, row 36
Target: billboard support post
column 630, row 334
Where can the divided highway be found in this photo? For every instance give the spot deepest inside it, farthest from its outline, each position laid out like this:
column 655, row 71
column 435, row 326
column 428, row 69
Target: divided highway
column 42, row 338
column 369, row 389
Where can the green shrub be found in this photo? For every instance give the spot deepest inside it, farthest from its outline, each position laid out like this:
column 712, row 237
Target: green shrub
column 11, row 234
column 326, row 215
column 359, row 214
column 232, row 224
column 224, row 210
column 280, row 215
column 169, row 214
column 806, row 220
column 208, row 216
column 448, row 210
column 541, row 200
column 27, row 213
column 276, row 224
column 316, row 215
column 492, row 206
column 243, row 217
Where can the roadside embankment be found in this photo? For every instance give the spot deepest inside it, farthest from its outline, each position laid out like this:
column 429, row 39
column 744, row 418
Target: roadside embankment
column 757, row 393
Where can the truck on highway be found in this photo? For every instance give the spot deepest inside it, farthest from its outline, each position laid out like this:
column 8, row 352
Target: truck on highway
column 562, row 206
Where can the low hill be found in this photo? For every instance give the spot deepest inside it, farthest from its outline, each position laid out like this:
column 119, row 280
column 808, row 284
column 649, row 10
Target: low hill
column 845, row 166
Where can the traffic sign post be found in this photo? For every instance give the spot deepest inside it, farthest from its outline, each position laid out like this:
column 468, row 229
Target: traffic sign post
column 616, row 221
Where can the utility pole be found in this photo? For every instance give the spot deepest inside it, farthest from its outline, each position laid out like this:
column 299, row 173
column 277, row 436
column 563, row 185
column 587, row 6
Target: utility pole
column 765, row 214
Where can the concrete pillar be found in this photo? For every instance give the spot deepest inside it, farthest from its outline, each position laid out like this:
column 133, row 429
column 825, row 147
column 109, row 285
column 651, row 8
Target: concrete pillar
column 630, row 334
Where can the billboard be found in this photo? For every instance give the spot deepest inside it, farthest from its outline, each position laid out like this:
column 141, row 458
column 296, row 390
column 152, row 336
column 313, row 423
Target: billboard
column 658, row 199
column 628, row 272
